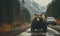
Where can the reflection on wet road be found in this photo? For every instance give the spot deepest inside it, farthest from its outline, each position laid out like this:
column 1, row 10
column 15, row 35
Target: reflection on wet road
column 51, row 32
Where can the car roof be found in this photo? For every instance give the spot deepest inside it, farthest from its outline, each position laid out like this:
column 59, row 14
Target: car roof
column 50, row 17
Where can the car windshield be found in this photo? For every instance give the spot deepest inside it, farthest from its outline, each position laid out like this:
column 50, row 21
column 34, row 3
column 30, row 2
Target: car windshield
column 50, row 18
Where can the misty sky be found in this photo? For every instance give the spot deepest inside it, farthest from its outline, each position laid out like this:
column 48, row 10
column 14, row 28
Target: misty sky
column 43, row 2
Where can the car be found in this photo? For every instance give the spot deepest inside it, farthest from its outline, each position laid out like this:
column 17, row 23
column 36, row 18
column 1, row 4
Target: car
column 51, row 20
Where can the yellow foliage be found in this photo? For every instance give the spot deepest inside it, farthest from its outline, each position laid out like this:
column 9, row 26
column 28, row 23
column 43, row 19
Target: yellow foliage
column 7, row 27
column 1, row 29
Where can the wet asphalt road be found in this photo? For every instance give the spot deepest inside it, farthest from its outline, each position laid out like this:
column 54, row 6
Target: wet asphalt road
column 50, row 32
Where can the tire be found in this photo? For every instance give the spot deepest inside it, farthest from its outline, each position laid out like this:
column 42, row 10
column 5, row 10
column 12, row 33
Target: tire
column 55, row 24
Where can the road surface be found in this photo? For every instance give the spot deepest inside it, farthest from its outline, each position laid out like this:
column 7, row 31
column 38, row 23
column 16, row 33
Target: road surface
column 50, row 32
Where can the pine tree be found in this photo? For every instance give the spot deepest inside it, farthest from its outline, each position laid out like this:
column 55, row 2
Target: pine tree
column 54, row 9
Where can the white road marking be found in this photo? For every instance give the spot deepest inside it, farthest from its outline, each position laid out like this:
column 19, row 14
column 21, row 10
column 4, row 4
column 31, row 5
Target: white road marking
column 53, row 31
column 50, row 32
